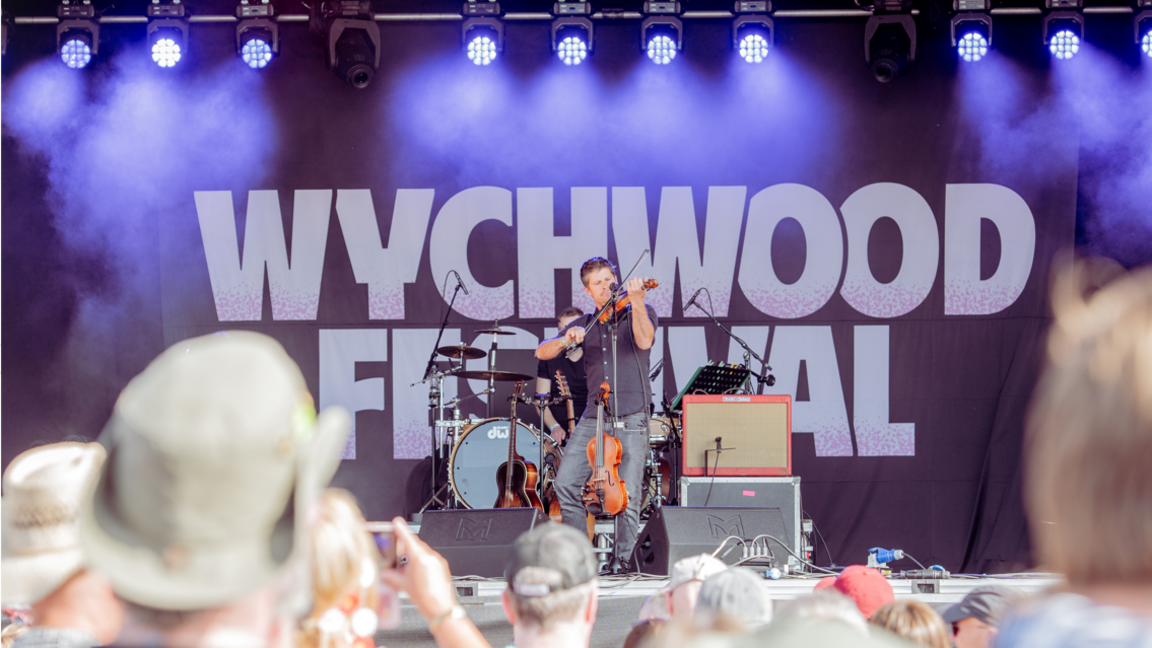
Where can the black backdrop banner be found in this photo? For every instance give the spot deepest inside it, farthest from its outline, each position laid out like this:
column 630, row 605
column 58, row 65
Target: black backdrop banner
column 885, row 248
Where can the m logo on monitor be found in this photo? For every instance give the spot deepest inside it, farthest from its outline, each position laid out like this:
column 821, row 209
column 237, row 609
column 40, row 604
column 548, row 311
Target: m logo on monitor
column 474, row 530
column 721, row 528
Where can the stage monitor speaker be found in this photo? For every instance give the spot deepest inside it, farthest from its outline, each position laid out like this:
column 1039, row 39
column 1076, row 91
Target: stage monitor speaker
column 754, row 433
column 676, row 532
column 477, row 542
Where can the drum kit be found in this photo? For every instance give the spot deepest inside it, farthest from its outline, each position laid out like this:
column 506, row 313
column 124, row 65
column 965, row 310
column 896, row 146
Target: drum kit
column 474, row 449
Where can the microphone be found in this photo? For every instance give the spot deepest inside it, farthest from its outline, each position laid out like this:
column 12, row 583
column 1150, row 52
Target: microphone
column 718, row 448
column 460, row 282
column 692, row 299
column 614, row 287
column 659, row 368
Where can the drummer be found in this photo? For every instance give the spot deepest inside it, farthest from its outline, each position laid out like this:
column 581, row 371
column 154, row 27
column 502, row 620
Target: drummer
column 556, row 415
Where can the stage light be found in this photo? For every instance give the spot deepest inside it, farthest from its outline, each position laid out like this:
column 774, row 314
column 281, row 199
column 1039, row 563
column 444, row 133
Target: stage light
column 972, row 29
column 661, row 32
column 572, row 32
column 257, row 35
column 890, row 40
column 483, row 32
column 1143, row 27
column 1063, row 30
column 167, row 32
column 5, row 29
column 77, row 33
column 352, row 39
column 753, row 31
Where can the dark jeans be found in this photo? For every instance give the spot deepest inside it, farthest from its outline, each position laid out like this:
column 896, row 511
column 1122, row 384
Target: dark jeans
column 575, row 471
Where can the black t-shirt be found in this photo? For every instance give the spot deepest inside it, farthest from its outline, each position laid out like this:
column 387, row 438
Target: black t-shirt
column 633, row 391
column 577, row 383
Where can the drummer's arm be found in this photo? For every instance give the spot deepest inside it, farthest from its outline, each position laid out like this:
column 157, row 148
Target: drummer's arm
column 549, row 349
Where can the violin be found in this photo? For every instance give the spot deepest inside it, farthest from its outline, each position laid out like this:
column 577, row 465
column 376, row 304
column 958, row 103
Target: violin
column 622, row 303
column 514, row 475
column 604, row 493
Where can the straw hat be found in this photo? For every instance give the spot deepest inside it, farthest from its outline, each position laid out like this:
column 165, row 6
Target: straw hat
column 44, row 489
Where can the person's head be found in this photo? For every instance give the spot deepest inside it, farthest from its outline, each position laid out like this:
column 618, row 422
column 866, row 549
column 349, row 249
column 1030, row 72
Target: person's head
column 914, row 621
column 345, row 570
column 1088, row 442
column 598, row 274
column 686, row 578
column 866, row 586
column 44, row 491
column 976, row 618
column 567, row 315
column 735, row 594
column 215, row 456
column 551, row 580
column 645, row 633
column 825, row 605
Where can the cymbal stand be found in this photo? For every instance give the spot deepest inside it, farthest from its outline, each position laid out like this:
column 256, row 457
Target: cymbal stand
column 492, row 365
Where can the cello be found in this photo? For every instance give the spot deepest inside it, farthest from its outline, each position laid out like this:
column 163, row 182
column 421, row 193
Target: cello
column 513, row 476
column 604, row 493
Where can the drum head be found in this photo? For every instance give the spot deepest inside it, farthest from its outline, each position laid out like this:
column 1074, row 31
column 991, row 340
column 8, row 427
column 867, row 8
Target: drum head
column 479, row 452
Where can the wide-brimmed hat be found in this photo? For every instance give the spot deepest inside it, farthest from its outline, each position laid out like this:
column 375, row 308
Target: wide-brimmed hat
column 44, row 491
column 214, row 455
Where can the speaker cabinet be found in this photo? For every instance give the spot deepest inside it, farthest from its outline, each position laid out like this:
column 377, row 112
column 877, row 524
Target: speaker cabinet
column 753, row 432
column 477, row 542
column 676, row 532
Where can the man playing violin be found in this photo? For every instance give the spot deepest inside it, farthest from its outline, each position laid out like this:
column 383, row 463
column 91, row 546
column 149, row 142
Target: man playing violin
column 635, row 334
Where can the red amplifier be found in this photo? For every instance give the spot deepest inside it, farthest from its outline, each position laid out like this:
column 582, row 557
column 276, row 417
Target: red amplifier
column 754, row 432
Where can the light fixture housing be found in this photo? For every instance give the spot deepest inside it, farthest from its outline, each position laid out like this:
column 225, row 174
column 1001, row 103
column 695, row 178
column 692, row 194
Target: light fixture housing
column 167, row 32
column 661, row 32
column 971, row 29
column 889, row 44
column 5, row 30
column 753, row 32
column 352, row 40
column 77, row 33
column 1063, row 27
column 482, row 33
column 572, row 32
column 257, row 34
column 1142, row 26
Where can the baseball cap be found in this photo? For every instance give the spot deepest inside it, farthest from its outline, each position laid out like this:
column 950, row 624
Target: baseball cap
column 987, row 604
column 44, row 490
column 215, row 454
column 694, row 568
column 556, row 557
column 736, row 593
column 866, row 586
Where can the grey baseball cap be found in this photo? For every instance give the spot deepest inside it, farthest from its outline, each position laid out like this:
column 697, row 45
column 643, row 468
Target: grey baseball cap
column 987, row 604
column 215, row 453
column 737, row 593
column 562, row 556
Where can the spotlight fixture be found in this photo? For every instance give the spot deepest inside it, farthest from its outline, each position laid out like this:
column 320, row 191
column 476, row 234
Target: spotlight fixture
column 1063, row 27
column 661, row 32
column 890, row 39
column 5, row 29
column 971, row 29
column 257, row 35
column 77, row 33
column 753, row 32
column 483, row 32
column 572, row 31
column 352, row 39
column 167, row 32
column 1143, row 26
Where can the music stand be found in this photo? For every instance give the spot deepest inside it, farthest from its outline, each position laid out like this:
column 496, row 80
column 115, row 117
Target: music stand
column 713, row 378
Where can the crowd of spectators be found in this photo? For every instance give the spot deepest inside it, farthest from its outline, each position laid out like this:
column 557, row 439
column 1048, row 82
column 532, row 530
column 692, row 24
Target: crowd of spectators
column 203, row 519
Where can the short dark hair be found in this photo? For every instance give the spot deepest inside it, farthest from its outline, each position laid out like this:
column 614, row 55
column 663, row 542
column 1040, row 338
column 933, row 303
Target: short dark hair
column 571, row 311
column 592, row 265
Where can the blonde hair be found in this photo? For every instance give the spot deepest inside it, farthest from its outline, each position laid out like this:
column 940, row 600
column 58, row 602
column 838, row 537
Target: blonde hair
column 341, row 551
column 1089, row 437
column 913, row 621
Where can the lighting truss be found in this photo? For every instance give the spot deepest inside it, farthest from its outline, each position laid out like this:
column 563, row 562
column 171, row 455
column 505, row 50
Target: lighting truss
column 572, row 32
column 257, row 35
column 77, row 33
column 167, row 32
column 482, row 32
column 661, row 32
column 753, row 32
column 971, row 29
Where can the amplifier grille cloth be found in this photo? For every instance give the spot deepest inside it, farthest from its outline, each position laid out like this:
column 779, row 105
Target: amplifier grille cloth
column 757, row 431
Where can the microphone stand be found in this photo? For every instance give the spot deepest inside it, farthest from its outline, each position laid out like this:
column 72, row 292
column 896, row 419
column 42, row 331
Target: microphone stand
column 748, row 355
column 437, row 449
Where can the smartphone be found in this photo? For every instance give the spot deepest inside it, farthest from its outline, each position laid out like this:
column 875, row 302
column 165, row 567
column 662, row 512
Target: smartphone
column 387, row 598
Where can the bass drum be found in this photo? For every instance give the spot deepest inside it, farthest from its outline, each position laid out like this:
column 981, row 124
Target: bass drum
column 480, row 451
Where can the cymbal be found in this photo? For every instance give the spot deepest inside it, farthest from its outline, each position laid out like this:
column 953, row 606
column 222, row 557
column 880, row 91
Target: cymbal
column 494, row 331
column 461, row 351
column 494, row 375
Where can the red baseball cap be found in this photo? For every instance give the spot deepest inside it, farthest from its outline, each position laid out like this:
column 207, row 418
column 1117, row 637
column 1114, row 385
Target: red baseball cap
column 866, row 586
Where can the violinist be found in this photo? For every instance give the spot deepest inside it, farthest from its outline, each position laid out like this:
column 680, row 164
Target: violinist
column 635, row 334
